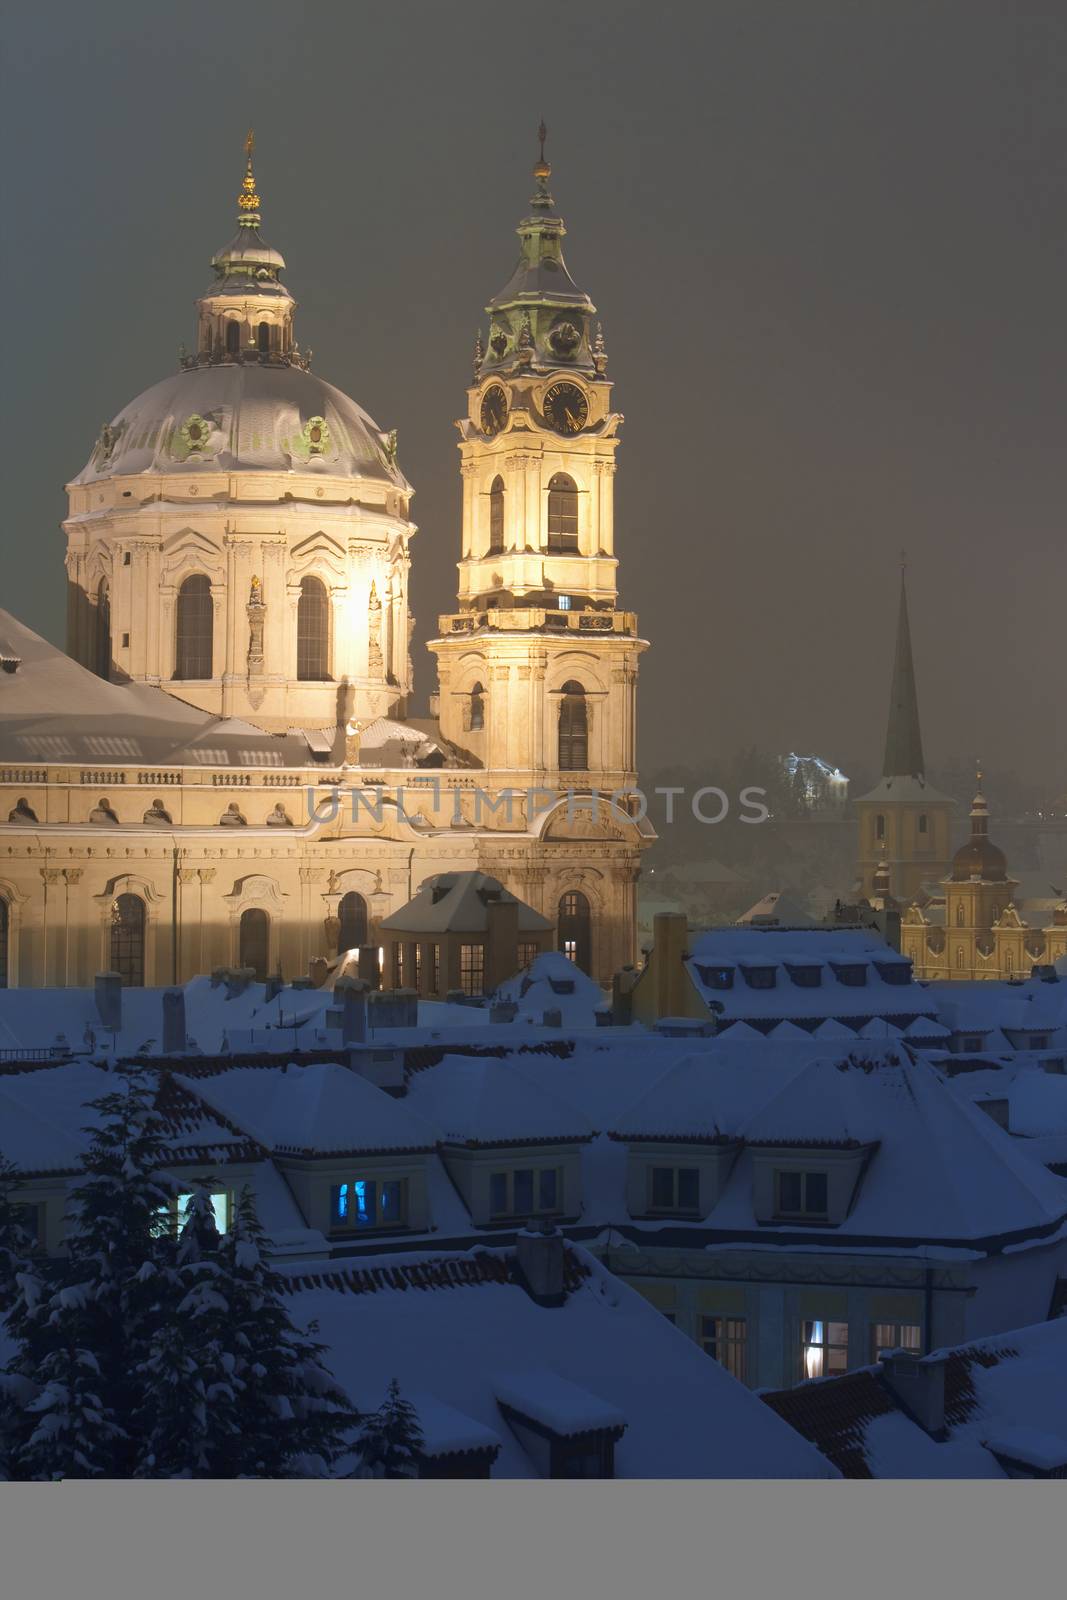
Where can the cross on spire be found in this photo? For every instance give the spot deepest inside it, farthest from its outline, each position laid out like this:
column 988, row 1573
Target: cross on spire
column 248, row 199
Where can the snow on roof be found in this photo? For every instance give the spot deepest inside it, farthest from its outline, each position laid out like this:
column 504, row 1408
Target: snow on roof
column 53, row 710
column 1003, row 1395
column 552, row 982
column 557, row 1404
column 315, row 1109
column 1037, row 1102
column 481, row 1100
column 458, row 902
column 458, row 1329
column 1033, row 1005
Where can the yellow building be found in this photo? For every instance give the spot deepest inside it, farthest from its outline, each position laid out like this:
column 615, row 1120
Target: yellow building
column 223, row 770
column 974, row 929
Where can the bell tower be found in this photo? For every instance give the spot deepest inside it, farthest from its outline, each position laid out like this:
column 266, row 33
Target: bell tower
column 537, row 669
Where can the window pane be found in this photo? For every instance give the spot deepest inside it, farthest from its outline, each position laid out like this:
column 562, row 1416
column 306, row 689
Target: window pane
column 546, row 1199
column 663, row 1188
column 815, row 1197
column 195, row 627
column 789, row 1187
column 524, row 1192
column 498, row 1193
column 688, row 1189
column 392, row 1196
column 364, row 1198
column 312, row 632
column 339, row 1203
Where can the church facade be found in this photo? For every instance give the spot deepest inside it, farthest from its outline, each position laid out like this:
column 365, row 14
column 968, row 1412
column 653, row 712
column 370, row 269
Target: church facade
column 223, row 769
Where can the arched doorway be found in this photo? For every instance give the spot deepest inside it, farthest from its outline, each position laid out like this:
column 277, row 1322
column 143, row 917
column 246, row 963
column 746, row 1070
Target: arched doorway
column 254, row 942
column 128, row 940
column 574, row 929
column 352, row 915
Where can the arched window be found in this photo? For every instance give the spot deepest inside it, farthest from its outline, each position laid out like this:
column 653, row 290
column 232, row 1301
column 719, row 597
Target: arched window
column 312, row 632
column 573, row 729
column 573, row 928
column 496, row 517
column 127, row 940
column 879, row 826
column 192, row 654
column 562, row 514
column 102, row 642
column 254, row 943
column 5, row 928
column 959, row 913
column 233, row 338
column 477, row 708
column 959, row 959
column 352, row 913
column 922, row 822
column 263, row 337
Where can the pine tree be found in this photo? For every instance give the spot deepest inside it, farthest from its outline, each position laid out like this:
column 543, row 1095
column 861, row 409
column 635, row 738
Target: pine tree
column 185, row 1421
column 292, row 1418
column 391, row 1441
column 20, row 1290
column 15, row 1241
column 83, row 1340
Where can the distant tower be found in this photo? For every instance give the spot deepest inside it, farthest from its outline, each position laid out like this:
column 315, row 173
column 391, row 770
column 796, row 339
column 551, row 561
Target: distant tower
column 537, row 671
column 977, row 891
column 903, row 821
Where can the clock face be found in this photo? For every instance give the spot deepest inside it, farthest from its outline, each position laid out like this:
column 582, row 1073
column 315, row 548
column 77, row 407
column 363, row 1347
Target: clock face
column 494, row 409
column 566, row 408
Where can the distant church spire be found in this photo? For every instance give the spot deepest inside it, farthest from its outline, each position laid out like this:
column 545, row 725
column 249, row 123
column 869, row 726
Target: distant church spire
column 903, row 740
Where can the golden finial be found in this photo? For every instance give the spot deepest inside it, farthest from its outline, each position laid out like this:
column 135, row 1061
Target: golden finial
column 541, row 166
column 248, row 199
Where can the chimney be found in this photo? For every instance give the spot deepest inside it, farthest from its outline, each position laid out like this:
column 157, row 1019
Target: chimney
column 351, row 995
column 539, row 1262
column 369, row 969
column 670, row 946
column 108, row 987
column 918, row 1382
column 502, row 942
column 173, row 1021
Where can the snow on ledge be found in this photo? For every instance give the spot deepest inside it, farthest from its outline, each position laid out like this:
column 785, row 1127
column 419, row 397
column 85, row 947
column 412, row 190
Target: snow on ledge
column 557, row 1404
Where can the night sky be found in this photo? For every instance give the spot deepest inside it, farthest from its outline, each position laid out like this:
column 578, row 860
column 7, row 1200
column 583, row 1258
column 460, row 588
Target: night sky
column 827, row 242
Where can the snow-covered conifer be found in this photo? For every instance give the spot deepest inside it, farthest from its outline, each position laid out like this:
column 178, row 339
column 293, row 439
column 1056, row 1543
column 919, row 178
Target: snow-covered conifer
column 390, row 1441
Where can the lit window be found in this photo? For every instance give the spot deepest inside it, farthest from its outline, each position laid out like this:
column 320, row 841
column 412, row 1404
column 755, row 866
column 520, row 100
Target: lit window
column 365, row 1203
column 472, row 968
column 800, row 1194
column 529, row 953
column 173, row 1215
column 563, row 601
column 674, row 1189
column 435, row 969
column 524, row 1191
column 725, row 1339
column 886, row 1336
column 824, row 1348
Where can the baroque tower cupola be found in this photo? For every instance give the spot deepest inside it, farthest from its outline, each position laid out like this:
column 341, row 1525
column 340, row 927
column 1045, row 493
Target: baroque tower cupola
column 247, row 308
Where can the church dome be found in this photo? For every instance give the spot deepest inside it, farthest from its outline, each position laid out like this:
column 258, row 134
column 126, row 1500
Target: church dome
column 979, row 858
column 247, row 416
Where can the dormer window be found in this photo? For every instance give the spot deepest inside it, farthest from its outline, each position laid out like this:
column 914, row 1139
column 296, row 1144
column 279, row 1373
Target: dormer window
column 760, row 977
column 895, row 972
column 716, row 977
column 853, row 974
column 806, row 977
column 525, row 1192
column 801, row 1194
column 367, row 1203
column 674, row 1189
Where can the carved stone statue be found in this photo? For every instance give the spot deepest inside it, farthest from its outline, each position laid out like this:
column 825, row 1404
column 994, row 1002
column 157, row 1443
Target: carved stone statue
column 102, row 813
column 157, row 814
column 22, row 811
column 279, row 817
column 353, row 734
column 232, row 818
column 375, row 664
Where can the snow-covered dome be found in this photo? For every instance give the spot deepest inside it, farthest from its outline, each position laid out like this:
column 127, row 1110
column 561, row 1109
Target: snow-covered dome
column 248, row 415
